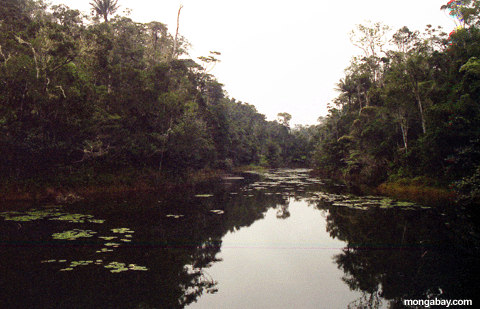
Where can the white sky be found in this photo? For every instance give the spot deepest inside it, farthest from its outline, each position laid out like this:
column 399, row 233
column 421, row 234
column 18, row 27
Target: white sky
column 281, row 56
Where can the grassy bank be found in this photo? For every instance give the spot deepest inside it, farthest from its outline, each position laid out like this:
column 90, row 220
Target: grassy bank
column 420, row 190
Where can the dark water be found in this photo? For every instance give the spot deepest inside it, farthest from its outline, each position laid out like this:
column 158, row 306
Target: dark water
column 283, row 240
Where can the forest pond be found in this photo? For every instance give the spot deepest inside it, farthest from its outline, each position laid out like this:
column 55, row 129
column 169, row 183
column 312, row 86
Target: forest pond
column 280, row 239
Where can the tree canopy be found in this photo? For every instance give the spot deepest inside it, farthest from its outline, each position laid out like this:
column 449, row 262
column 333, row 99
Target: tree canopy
column 408, row 106
column 79, row 99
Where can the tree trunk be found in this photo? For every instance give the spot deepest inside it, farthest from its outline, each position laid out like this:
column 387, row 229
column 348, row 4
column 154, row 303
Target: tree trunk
column 175, row 43
column 420, row 107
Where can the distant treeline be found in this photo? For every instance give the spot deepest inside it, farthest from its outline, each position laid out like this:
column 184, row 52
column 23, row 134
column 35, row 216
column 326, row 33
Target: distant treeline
column 86, row 95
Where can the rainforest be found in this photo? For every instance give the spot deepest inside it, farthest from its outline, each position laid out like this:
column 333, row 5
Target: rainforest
column 127, row 171
column 94, row 100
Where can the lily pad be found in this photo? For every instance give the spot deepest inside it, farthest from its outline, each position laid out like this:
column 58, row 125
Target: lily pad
column 30, row 215
column 73, row 234
column 73, row 218
column 218, row 211
column 136, row 267
column 116, row 267
column 122, row 230
column 175, row 216
column 51, row 212
column 204, row 195
column 107, row 237
column 112, row 244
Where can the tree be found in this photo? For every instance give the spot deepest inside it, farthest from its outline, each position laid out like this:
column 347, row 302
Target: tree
column 347, row 88
column 174, row 53
column 284, row 118
column 371, row 39
column 105, row 8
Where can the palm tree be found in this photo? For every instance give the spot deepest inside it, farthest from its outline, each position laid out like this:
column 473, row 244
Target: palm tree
column 346, row 86
column 105, row 7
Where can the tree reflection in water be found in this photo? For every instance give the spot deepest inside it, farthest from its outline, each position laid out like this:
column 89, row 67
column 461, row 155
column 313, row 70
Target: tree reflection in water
column 396, row 254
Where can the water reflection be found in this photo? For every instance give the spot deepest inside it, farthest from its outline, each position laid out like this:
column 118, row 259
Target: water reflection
column 395, row 254
column 281, row 240
column 284, row 263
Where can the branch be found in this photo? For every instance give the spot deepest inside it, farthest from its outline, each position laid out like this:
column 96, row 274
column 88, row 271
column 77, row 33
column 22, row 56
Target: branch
column 176, row 33
column 5, row 58
column 67, row 61
column 62, row 91
column 21, row 41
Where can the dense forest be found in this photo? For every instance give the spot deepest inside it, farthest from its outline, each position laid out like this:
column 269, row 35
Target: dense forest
column 89, row 96
column 85, row 97
column 408, row 106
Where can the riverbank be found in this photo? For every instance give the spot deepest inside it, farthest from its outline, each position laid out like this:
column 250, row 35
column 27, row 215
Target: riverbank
column 66, row 190
column 78, row 187
column 418, row 191
column 421, row 190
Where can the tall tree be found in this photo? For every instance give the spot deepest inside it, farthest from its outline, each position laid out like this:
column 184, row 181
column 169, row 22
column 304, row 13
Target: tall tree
column 105, row 7
column 371, row 39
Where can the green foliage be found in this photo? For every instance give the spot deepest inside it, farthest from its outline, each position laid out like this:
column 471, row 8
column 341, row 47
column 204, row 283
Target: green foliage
column 104, row 7
column 81, row 100
column 407, row 111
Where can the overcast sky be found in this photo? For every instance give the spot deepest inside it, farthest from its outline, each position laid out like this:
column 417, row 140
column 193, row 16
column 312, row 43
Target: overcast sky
column 281, row 56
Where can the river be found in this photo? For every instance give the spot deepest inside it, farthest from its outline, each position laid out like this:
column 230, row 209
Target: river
column 280, row 239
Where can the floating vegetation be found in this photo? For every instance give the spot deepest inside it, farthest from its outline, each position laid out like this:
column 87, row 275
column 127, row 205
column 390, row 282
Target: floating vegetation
column 175, row 216
column 77, row 218
column 73, row 234
column 49, row 212
column 108, row 237
column 365, row 202
column 55, row 214
column 204, row 195
column 112, row 244
column 136, row 267
column 122, row 230
column 96, row 221
column 80, row 263
column 30, row 215
column 116, row 267
column 76, row 264
column 233, row 178
column 286, row 179
column 217, row 211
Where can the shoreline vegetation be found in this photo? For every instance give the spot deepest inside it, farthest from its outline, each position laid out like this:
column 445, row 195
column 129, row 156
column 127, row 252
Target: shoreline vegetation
column 118, row 183
column 112, row 184
column 413, row 191
column 420, row 190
